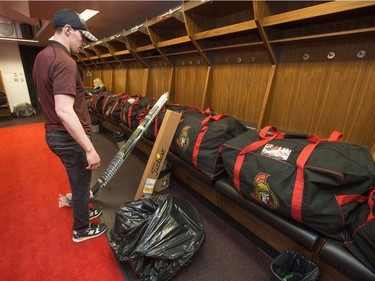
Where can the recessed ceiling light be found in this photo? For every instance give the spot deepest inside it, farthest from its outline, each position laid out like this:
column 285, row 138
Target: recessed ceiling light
column 88, row 14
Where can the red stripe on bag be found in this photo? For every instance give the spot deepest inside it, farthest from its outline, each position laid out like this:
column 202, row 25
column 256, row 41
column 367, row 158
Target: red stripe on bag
column 371, row 205
column 197, row 146
column 203, row 131
column 346, row 199
column 237, row 169
column 297, row 196
column 130, row 112
column 250, row 148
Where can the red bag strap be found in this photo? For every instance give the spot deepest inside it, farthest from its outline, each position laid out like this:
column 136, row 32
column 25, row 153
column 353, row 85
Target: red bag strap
column 131, row 110
column 253, row 146
column 346, row 199
column 296, row 205
column 197, row 146
column 209, row 111
column 192, row 108
column 335, row 136
column 264, row 139
column 123, row 98
column 96, row 100
column 213, row 117
column 297, row 196
column 105, row 104
column 371, row 206
column 203, row 131
column 264, row 132
column 114, row 108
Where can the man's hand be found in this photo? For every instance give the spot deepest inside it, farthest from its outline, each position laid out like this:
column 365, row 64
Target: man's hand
column 93, row 160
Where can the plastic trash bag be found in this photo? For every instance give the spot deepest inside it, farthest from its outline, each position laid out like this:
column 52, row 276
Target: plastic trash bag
column 292, row 266
column 23, row 110
column 157, row 235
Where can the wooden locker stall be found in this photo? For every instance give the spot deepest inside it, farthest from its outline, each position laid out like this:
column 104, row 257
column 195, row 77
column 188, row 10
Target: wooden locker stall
column 319, row 95
column 119, row 79
column 160, row 78
column 170, row 37
column 325, row 66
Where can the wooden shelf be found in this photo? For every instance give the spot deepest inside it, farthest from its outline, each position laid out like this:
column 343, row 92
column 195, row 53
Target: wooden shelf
column 214, row 15
column 321, row 21
column 217, row 25
column 347, row 33
column 220, row 25
column 318, row 10
column 231, row 29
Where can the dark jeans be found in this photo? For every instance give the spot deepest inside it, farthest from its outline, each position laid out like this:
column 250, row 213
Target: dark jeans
column 74, row 159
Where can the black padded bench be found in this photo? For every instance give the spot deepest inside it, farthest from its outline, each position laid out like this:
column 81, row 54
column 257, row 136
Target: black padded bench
column 333, row 254
column 305, row 236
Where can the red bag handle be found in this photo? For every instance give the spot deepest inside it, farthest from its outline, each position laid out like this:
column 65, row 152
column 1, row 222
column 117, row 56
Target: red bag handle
column 192, row 108
column 203, row 131
column 297, row 196
column 253, row 146
column 213, row 117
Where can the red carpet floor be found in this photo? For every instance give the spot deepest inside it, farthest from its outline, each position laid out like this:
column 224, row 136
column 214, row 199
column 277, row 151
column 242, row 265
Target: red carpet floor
column 35, row 237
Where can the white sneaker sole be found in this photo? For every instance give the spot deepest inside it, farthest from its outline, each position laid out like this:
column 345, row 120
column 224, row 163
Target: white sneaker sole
column 80, row 239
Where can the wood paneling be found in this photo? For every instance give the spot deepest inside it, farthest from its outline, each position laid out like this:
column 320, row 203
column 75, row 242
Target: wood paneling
column 135, row 81
column 320, row 95
column 95, row 73
column 159, row 80
column 189, row 81
column 119, row 80
column 107, row 76
column 238, row 85
column 87, row 78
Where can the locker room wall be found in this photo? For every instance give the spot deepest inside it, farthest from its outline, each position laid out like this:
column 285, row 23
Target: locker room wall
column 303, row 66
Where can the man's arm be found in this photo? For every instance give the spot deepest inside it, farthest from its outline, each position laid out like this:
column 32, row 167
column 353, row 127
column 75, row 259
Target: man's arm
column 64, row 110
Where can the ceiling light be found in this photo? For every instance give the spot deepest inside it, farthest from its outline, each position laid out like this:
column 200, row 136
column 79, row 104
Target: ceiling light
column 88, row 14
column 18, row 39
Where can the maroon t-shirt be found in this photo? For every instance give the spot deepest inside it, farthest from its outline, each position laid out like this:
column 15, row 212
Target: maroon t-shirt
column 55, row 72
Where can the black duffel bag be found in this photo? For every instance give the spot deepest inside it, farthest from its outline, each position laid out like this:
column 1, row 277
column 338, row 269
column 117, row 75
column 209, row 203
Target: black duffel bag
column 112, row 106
column 135, row 109
column 96, row 103
column 318, row 182
column 362, row 228
column 152, row 132
column 200, row 136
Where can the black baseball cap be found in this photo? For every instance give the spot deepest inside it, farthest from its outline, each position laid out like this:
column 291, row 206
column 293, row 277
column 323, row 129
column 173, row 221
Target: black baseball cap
column 72, row 18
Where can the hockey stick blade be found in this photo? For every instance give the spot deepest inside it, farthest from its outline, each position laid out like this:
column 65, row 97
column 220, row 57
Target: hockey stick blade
column 128, row 146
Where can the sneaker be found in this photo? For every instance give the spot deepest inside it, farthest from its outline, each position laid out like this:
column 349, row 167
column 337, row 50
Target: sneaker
column 94, row 230
column 95, row 212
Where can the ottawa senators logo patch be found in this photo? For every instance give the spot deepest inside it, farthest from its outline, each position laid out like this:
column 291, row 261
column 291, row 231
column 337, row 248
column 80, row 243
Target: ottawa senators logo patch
column 263, row 193
column 183, row 140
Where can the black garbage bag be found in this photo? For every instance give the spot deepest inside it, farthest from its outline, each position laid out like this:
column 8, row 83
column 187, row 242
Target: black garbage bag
column 23, row 110
column 157, row 235
column 292, row 266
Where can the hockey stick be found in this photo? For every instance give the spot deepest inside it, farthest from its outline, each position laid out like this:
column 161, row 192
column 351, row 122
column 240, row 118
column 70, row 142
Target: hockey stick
column 128, row 146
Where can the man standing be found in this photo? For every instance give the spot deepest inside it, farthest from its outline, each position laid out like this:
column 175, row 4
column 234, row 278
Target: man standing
column 62, row 96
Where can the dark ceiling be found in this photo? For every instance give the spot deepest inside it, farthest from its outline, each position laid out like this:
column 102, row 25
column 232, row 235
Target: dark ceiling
column 114, row 16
